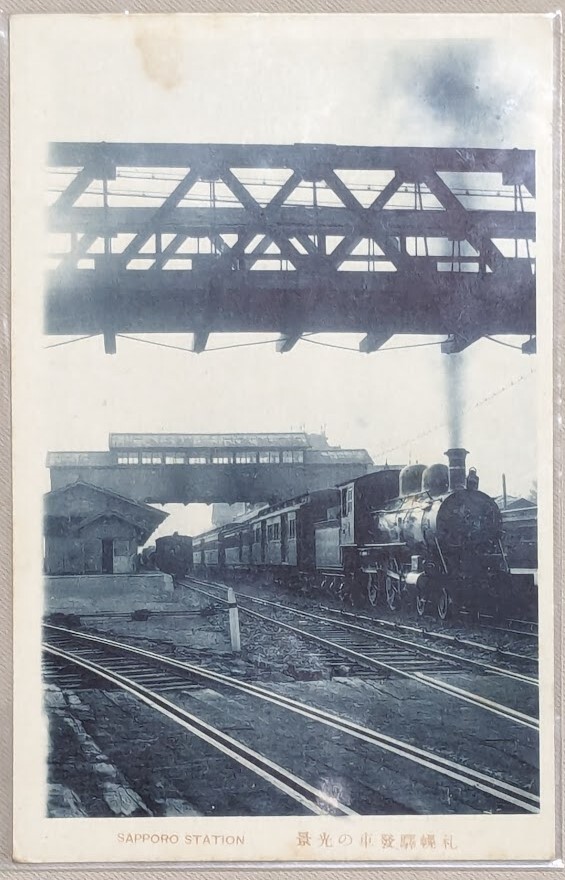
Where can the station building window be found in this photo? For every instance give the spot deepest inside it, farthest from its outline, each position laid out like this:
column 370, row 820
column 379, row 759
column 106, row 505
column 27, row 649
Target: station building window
column 128, row 458
column 151, row 458
column 291, row 529
column 258, row 534
column 269, row 457
column 174, row 459
column 221, row 459
column 245, row 458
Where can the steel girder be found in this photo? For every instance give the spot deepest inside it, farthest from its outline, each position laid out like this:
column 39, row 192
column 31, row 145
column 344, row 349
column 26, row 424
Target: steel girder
column 429, row 246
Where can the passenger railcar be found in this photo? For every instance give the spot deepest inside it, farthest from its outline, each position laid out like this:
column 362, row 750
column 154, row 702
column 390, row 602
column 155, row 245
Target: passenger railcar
column 208, row 550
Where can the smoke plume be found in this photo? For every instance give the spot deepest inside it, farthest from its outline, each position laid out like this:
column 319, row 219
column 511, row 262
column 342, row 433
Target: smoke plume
column 454, row 376
column 461, row 86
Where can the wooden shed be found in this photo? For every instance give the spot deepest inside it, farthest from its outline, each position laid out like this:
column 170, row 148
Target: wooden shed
column 89, row 530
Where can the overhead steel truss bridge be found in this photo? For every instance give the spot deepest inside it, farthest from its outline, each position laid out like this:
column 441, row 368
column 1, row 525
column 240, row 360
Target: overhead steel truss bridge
column 208, row 238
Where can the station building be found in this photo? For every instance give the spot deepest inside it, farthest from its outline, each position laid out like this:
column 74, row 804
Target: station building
column 90, row 530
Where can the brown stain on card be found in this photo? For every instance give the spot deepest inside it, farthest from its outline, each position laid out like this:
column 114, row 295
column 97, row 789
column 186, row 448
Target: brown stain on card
column 160, row 46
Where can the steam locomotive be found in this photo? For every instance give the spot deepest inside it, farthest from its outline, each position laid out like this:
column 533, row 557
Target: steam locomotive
column 422, row 536
column 171, row 554
column 439, row 543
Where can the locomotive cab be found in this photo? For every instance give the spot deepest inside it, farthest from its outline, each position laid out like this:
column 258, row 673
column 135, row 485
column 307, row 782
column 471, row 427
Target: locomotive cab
column 359, row 500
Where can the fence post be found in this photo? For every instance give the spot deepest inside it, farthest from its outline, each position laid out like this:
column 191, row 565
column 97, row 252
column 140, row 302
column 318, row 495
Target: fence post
column 234, row 622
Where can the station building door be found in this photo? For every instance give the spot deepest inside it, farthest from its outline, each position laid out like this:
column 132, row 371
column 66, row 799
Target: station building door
column 107, row 556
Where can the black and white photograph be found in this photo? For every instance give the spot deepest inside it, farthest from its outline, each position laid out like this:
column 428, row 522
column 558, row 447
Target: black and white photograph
column 282, row 335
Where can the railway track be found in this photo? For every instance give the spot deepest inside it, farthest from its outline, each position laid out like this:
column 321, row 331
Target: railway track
column 380, row 651
column 528, row 629
column 146, row 674
column 444, row 637
column 145, row 685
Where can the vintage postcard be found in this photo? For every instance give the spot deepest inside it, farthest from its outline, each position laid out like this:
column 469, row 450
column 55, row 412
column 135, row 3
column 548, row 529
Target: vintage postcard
column 282, row 438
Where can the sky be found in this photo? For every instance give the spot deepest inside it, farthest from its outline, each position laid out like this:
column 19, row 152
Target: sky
column 362, row 82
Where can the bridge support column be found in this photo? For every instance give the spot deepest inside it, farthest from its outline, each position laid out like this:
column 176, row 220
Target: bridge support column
column 109, row 342
column 287, row 342
column 199, row 341
column 456, row 343
column 373, row 341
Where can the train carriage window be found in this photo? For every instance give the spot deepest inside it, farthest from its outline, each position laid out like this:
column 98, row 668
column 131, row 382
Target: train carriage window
column 221, row 459
column 287, row 456
column 298, row 456
column 174, row 459
column 197, row 459
column 346, row 501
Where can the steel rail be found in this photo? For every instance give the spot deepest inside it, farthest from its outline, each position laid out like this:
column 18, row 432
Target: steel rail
column 423, row 649
column 459, row 693
column 473, row 778
column 285, row 781
column 431, row 634
column 512, row 632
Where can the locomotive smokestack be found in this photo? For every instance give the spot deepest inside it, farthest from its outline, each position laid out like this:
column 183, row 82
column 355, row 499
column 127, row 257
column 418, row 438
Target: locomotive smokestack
column 457, row 477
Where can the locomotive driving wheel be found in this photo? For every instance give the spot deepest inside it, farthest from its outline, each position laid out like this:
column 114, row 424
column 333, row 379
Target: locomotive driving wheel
column 421, row 604
column 444, row 604
column 392, row 589
column 372, row 588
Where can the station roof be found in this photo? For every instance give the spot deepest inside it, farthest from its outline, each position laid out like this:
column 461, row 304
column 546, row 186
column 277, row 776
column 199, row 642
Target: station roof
column 84, row 486
column 513, row 502
column 339, row 456
column 288, row 440
column 82, row 503
column 86, row 459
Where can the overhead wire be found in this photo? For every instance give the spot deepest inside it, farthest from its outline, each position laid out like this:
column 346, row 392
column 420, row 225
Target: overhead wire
column 69, row 341
column 304, row 186
column 505, row 344
column 439, row 425
column 304, row 338
column 189, row 350
column 390, row 348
